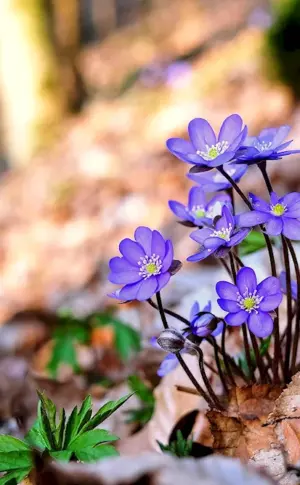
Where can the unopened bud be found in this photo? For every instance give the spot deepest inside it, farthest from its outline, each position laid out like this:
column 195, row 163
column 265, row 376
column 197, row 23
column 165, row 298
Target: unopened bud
column 171, row 340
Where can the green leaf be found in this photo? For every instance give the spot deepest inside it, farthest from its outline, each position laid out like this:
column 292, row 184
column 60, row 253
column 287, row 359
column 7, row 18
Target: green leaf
column 12, row 460
column 45, row 427
column 15, row 476
column 91, row 438
column 143, row 392
column 9, row 443
column 264, row 345
column 85, row 412
column 127, row 340
column 91, row 455
column 35, row 437
column 63, row 455
column 140, row 416
column 252, row 243
column 60, row 431
column 107, row 410
column 49, row 408
column 71, row 427
column 63, row 352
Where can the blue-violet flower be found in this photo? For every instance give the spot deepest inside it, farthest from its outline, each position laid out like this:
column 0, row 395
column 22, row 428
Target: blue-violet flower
column 214, row 181
column 294, row 286
column 203, row 326
column 249, row 302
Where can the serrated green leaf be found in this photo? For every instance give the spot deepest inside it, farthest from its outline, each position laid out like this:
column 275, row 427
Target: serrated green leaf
column 107, row 410
column 252, row 243
column 9, row 443
column 143, row 392
column 91, row 438
column 85, row 412
column 92, row 455
column 60, row 431
column 64, row 352
column 15, row 476
column 45, row 427
column 140, row 416
column 71, row 427
column 49, row 409
column 35, row 437
column 63, row 455
column 12, row 460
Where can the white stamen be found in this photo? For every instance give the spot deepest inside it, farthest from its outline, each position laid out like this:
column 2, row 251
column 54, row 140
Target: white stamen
column 245, row 299
column 213, row 151
column 224, row 233
column 150, row 266
column 262, row 145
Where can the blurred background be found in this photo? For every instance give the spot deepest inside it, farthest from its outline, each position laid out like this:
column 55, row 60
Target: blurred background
column 90, row 91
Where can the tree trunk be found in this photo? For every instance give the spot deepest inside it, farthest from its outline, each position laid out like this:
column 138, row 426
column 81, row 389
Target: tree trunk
column 32, row 102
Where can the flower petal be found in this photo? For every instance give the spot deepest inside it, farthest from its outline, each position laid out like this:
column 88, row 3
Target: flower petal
column 169, row 363
column 201, row 255
column 238, row 237
column 225, row 220
column 201, row 235
column 118, row 264
column 182, row 149
column 143, row 236
column 194, row 311
column 201, row 134
column 147, row 288
column 163, row 279
column 231, row 128
column 218, row 330
column 290, row 199
column 179, row 210
column 258, row 203
column 235, row 319
column 270, row 302
column 246, row 280
column 213, row 242
column 282, row 279
column 291, row 228
column 207, row 307
column 196, row 197
column 260, row 324
column 124, row 277
column 158, row 246
column 280, row 135
column 221, row 159
column 227, row 290
column 252, row 218
column 167, row 261
column 274, row 198
column 129, row 292
column 131, row 250
column 229, row 305
column 238, row 140
column 268, row 286
column 274, row 226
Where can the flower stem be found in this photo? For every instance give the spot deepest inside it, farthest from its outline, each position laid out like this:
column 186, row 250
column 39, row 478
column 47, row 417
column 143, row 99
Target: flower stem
column 170, row 312
column 225, row 358
column 263, row 168
column 247, row 352
column 235, row 186
column 209, row 388
column 288, row 341
column 220, row 370
column 179, row 357
column 297, row 327
column 259, row 360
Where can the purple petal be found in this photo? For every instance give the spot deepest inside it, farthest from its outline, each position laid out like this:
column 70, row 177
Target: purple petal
column 147, row 288
column 270, row 302
column 120, row 265
column 274, row 198
column 221, row 159
column 282, row 278
column 293, row 211
column 274, row 226
column 194, row 310
column 201, row 235
column 235, row 319
column 124, row 277
column 207, row 307
column 213, row 242
column 225, row 220
column 281, row 134
column 168, row 257
column 132, row 251
column 258, row 203
column 201, row 134
column 229, row 305
column 290, row 199
column 200, row 256
column 238, row 140
column 227, row 290
column 196, row 197
column 267, row 135
column 182, row 149
column 218, row 330
column 246, row 281
column 260, row 324
column 179, row 210
column 252, row 218
column 143, row 235
column 169, row 363
column 222, row 199
column 291, row 228
column 163, row 280
column 230, row 128
column 268, row 286
column 238, row 237
column 129, row 292
column 158, row 244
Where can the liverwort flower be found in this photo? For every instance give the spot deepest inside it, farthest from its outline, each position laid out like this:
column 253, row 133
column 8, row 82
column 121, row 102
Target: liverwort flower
column 214, row 181
column 268, row 145
column 204, row 149
column 249, row 302
column 219, row 239
column 145, row 267
column 199, row 212
column 205, row 324
column 294, row 286
column 280, row 215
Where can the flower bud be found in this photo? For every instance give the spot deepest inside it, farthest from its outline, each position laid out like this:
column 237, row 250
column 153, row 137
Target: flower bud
column 171, row 340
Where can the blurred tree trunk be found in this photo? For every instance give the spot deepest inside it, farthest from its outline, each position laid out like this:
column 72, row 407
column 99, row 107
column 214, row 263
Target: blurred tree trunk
column 32, row 103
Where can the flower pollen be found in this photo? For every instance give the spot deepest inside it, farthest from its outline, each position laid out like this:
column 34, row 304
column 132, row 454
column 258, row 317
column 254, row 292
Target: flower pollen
column 150, row 266
column 278, row 209
column 213, row 151
column 223, row 233
column 262, row 145
column 249, row 301
column 198, row 211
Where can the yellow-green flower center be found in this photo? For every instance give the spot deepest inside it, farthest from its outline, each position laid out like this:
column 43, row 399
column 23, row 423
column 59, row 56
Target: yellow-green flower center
column 151, row 268
column 249, row 303
column 278, row 209
column 199, row 213
column 212, row 152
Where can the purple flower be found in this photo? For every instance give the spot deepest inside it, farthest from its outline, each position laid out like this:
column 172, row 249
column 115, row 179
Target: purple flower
column 219, row 239
column 280, row 216
column 198, row 211
column 268, row 145
column 203, row 325
column 214, row 181
column 294, row 286
column 169, row 363
column 205, row 150
column 248, row 302
column 145, row 266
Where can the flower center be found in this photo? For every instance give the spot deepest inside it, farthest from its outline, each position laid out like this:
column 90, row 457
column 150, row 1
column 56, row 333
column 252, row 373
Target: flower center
column 262, row 145
column 213, row 151
column 249, row 301
column 198, row 211
column 219, row 178
column 149, row 266
column 223, row 233
column 278, row 209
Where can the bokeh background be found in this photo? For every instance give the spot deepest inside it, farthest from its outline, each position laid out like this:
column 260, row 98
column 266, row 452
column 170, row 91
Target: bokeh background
column 90, row 91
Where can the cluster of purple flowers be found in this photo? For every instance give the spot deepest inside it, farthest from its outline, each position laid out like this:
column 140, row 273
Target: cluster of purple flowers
column 218, row 161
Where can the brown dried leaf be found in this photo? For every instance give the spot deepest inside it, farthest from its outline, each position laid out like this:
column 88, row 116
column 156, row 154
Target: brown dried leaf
column 287, row 405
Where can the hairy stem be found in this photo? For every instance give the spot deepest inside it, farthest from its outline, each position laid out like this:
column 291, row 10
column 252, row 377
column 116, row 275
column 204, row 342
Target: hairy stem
column 288, row 341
